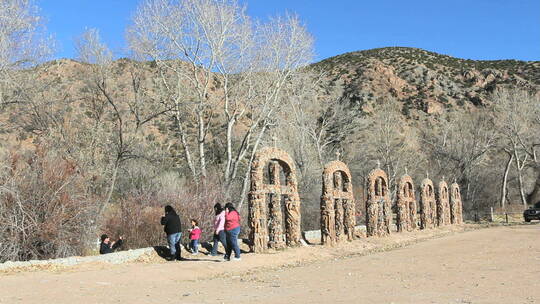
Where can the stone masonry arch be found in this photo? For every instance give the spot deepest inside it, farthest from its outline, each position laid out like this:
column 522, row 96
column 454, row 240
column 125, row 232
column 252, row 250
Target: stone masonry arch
column 456, row 205
column 406, row 205
column 378, row 205
column 443, row 204
column 428, row 206
column 266, row 222
column 337, row 204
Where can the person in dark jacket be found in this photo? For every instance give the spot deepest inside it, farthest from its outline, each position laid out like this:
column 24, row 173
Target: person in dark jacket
column 107, row 247
column 173, row 228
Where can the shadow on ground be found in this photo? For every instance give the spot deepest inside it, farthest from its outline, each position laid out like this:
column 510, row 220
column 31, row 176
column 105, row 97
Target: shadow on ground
column 164, row 253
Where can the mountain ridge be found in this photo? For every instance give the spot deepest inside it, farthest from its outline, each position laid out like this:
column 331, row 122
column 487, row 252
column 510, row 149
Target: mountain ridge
column 425, row 81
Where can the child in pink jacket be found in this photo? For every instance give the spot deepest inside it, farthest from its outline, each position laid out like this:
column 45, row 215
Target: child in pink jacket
column 194, row 236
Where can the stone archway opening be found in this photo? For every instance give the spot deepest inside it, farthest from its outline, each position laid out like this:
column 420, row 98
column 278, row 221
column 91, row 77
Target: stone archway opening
column 443, row 205
column 337, row 204
column 378, row 205
column 428, row 205
column 406, row 205
column 276, row 199
column 456, row 205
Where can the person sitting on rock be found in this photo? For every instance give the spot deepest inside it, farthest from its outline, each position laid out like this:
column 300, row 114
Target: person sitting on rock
column 107, row 246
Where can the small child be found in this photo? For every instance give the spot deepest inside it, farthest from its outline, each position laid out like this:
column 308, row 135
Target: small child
column 194, row 235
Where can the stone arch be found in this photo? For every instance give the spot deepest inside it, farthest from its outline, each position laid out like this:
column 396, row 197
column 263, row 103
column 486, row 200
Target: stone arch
column 428, row 206
column 378, row 205
column 337, row 204
column 406, row 205
column 266, row 223
column 443, row 204
column 456, row 205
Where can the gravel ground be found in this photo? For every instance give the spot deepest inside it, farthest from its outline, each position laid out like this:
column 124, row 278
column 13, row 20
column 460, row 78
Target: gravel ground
column 112, row 258
column 141, row 254
column 453, row 264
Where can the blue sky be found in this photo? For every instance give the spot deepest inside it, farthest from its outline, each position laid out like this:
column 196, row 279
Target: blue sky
column 473, row 29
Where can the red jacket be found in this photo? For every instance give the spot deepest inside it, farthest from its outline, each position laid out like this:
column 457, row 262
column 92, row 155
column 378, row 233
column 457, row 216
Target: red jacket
column 195, row 233
column 232, row 220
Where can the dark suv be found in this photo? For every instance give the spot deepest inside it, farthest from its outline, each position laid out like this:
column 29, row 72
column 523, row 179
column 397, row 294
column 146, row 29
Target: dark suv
column 533, row 213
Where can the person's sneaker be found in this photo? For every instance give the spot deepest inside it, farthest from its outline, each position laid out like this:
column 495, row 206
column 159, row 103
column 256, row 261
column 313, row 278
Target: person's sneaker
column 226, row 258
column 194, row 253
column 237, row 259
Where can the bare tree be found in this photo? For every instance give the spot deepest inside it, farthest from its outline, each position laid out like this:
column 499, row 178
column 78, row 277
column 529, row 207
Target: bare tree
column 516, row 116
column 129, row 113
column 224, row 74
column 23, row 44
column 387, row 140
column 460, row 145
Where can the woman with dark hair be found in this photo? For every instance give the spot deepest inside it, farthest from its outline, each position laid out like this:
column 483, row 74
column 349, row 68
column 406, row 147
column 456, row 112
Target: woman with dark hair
column 107, row 246
column 173, row 228
column 219, row 229
column 232, row 230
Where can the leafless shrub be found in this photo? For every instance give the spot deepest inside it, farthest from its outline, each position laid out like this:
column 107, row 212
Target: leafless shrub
column 137, row 216
column 45, row 207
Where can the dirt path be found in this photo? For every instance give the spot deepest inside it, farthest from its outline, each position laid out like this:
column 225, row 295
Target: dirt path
column 496, row 265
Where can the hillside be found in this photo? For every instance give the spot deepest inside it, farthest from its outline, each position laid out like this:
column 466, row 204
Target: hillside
column 425, row 81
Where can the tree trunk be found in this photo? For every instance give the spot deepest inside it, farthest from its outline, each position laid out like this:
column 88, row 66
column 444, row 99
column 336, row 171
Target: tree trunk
column 505, row 181
column 202, row 135
column 519, row 168
column 185, row 146
column 246, row 183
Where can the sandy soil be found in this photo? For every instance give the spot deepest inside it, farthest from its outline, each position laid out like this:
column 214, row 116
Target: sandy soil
column 495, row 265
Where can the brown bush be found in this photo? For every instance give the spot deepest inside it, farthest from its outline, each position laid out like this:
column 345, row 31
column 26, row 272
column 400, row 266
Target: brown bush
column 137, row 217
column 45, row 207
column 137, row 220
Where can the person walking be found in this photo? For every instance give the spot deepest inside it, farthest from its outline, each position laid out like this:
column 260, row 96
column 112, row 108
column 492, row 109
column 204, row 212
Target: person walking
column 232, row 230
column 194, row 236
column 219, row 229
column 173, row 228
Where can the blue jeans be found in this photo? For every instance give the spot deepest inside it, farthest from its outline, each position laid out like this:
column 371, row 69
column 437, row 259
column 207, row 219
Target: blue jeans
column 220, row 237
column 194, row 245
column 232, row 243
column 174, row 244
